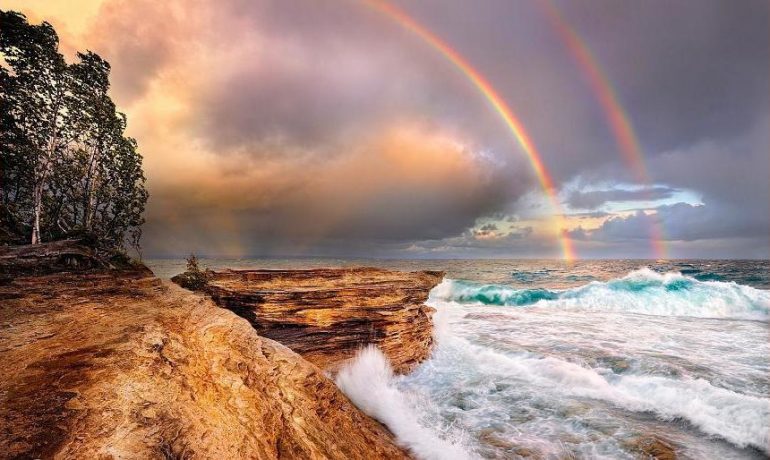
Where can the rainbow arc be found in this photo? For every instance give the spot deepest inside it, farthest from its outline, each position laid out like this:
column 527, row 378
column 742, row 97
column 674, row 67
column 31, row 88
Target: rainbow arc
column 506, row 114
column 617, row 118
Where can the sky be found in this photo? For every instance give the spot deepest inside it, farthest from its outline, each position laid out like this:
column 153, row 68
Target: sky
column 327, row 128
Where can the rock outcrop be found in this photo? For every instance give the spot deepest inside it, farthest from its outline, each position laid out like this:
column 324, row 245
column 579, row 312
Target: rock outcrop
column 56, row 257
column 327, row 315
column 113, row 364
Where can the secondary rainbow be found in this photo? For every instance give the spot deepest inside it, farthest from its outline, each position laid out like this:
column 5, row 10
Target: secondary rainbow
column 617, row 117
column 510, row 119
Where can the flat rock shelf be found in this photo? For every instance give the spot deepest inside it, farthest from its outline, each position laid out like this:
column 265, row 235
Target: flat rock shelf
column 327, row 315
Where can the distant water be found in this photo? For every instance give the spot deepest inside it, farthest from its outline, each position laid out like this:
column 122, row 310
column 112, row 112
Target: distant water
column 576, row 361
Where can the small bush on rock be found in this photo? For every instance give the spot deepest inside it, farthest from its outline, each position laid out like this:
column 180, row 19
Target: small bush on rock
column 195, row 277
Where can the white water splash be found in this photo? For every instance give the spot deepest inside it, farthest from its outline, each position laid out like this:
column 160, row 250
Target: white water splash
column 369, row 382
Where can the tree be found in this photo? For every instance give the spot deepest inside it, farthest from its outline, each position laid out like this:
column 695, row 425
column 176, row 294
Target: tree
column 35, row 100
column 67, row 166
column 98, row 123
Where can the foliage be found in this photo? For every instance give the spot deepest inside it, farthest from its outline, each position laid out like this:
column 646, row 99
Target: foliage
column 66, row 166
column 195, row 278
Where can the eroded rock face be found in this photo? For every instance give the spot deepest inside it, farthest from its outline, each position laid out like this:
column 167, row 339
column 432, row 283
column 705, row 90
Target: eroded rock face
column 327, row 315
column 113, row 364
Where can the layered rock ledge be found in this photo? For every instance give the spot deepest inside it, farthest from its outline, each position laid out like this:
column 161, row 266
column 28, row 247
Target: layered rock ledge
column 327, row 315
column 103, row 363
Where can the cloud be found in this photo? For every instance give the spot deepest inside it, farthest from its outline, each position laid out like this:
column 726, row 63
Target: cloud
column 597, row 198
column 305, row 127
column 692, row 231
column 682, row 80
column 403, row 183
column 591, row 215
column 681, row 221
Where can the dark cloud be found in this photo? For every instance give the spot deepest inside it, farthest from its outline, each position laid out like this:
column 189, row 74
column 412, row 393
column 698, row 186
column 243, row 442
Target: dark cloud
column 412, row 183
column 591, row 215
column 683, row 69
column 726, row 234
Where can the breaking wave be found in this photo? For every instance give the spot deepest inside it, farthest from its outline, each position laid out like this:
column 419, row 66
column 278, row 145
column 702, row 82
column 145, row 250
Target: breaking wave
column 642, row 291
column 369, row 382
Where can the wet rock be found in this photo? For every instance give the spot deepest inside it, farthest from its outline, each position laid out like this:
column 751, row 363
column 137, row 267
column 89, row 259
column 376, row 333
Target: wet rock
column 651, row 447
column 504, row 448
column 492, row 438
column 617, row 364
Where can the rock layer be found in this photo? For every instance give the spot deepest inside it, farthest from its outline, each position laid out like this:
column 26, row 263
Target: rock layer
column 326, row 315
column 105, row 364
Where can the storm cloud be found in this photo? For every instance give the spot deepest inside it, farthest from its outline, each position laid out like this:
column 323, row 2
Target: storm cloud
column 301, row 127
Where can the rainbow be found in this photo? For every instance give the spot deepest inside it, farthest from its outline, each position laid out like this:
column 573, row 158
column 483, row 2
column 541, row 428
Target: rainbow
column 510, row 119
column 617, row 117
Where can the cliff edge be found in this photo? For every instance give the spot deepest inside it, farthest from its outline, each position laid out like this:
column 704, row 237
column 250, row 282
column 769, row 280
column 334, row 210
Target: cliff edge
column 111, row 363
column 327, row 315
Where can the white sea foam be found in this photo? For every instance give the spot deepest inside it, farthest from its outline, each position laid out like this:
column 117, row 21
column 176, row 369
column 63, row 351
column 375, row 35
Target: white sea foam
column 740, row 419
column 369, row 382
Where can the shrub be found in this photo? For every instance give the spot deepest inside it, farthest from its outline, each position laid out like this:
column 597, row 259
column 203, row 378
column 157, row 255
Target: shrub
column 195, row 278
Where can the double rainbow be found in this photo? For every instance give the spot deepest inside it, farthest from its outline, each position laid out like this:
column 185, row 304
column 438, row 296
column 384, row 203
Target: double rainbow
column 508, row 116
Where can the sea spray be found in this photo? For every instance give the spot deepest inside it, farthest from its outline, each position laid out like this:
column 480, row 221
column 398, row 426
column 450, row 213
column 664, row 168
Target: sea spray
column 368, row 381
column 490, row 387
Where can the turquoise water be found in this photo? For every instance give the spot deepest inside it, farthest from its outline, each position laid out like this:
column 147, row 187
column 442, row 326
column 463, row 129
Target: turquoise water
column 576, row 361
column 514, row 273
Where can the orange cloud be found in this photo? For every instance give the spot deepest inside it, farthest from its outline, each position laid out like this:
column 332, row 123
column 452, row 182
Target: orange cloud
column 261, row 139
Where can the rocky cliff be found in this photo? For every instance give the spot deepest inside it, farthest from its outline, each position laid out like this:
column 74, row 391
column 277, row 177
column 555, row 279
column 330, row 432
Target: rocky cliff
column 326, row 315
column 113, row 364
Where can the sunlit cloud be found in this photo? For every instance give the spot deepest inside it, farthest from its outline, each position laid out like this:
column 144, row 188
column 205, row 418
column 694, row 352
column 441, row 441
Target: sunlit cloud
column 301, row 127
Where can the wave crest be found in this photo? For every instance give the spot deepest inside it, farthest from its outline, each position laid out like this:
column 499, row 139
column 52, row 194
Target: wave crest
column 641, row 291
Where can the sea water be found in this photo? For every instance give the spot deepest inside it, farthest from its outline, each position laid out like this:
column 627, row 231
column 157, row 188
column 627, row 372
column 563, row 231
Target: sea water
column 583, row 360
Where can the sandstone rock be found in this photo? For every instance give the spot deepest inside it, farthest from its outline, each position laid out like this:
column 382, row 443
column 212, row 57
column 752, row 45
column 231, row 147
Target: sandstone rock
column 111, row 364
column 496, row 447
column 326, row 315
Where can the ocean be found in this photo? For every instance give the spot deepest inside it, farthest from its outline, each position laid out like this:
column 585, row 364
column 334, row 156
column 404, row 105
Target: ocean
column 592, row 359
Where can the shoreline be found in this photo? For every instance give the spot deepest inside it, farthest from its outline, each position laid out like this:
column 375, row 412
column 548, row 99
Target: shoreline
column 113, row 361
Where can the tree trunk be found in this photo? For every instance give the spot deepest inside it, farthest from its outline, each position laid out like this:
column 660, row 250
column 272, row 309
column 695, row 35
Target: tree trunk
column 88, row 205
column 37, row 196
